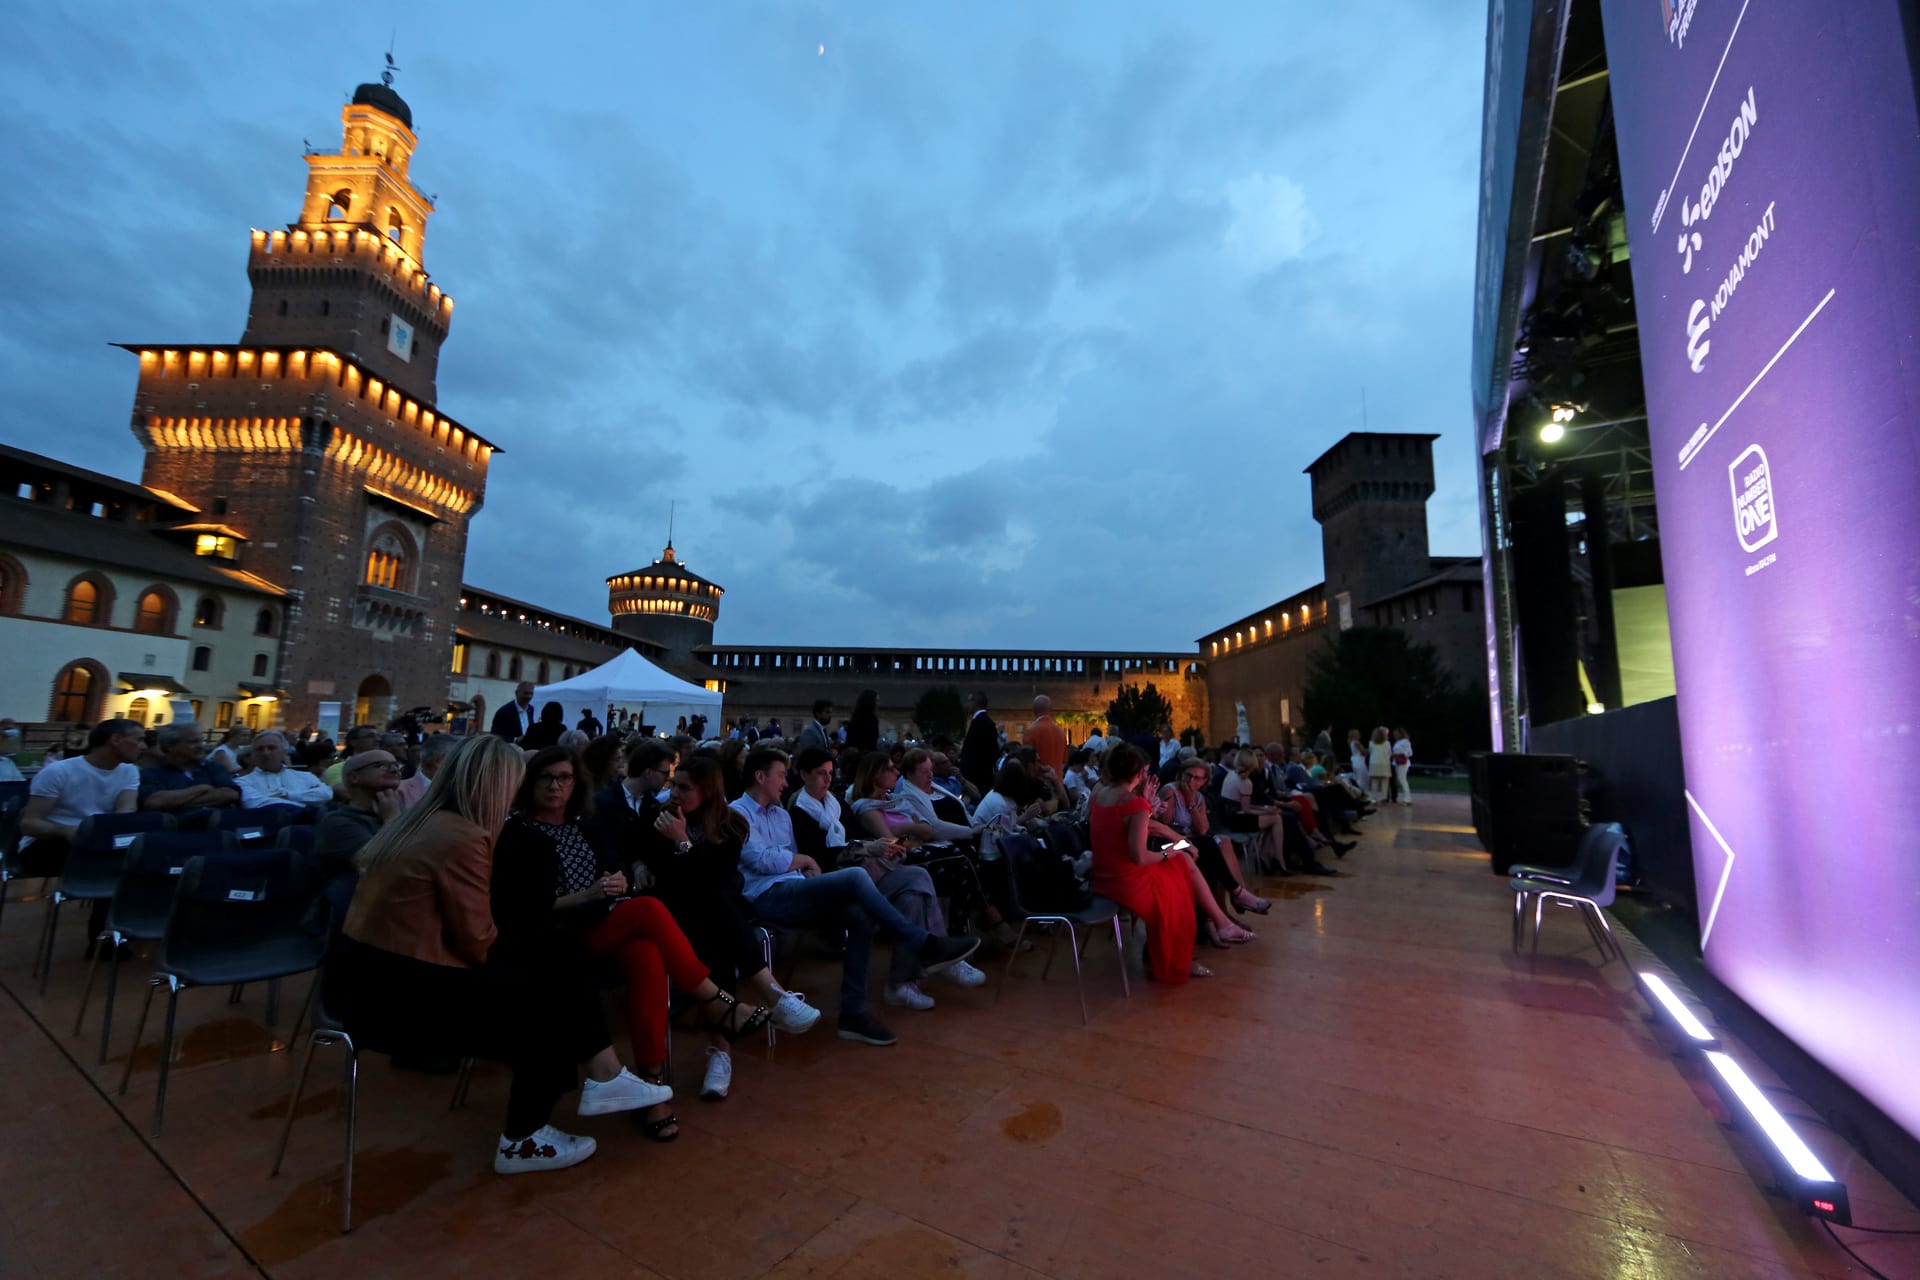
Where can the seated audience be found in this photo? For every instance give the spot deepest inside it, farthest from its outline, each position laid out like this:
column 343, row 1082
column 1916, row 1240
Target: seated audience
column 345, row 828
column 787, row 887
column 1182, row 815
column 946, row 776
column 1082, row 776
column 100, row 779
column 876, row 813
column 554, row 893
column 916, row 793
column 433, row 753
column 271, row 781
column 9, row 748
column 605, row 759
column 417, row 972
column 1161, row 886
column 183, row 779
column 820, row 833
column 360, row 738
column 1244, row 813
column 232, row 745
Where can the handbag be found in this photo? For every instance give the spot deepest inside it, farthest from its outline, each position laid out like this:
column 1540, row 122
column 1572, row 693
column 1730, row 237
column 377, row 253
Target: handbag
column 871, row 863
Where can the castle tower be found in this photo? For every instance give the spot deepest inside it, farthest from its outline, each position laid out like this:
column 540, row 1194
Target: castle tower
column 313, row 448
column 349, row 275
column 668, row 604
column 1370, row 496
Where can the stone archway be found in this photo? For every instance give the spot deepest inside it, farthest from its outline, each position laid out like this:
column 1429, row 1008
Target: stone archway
column 373, row 701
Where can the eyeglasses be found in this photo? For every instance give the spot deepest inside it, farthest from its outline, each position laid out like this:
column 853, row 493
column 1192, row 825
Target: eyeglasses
column 555, row 779
column 379, row 764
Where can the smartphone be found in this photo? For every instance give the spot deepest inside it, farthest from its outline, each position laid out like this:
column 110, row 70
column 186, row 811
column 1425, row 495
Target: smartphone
column 1178, row 846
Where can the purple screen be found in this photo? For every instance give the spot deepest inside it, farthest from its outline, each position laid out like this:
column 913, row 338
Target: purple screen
column 1772, row 176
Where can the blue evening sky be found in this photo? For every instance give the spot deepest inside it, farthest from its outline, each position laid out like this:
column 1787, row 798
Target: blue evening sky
column 967, row 324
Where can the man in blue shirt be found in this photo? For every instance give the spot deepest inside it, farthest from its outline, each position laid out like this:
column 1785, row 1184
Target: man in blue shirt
column 787, row 887
column 183, row 779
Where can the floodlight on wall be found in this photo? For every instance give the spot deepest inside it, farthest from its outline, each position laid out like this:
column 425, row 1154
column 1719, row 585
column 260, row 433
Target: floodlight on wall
column 1804, row 1180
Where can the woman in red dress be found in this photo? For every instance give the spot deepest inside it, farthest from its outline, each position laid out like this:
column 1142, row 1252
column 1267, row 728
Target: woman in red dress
column 1162, row 887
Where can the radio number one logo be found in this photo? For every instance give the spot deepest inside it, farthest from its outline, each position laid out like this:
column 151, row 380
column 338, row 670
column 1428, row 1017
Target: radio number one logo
column 1754, row 517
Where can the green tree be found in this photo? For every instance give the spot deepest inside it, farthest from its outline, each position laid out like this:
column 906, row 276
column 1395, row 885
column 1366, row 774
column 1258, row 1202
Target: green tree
column 1370, row 676
column 1139, row 708
column 940, row 711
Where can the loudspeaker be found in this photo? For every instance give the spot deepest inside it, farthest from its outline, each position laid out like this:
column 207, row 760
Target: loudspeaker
column 1527, row 808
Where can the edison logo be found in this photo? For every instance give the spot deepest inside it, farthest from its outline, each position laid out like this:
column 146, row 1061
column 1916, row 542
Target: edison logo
column 1754, row 518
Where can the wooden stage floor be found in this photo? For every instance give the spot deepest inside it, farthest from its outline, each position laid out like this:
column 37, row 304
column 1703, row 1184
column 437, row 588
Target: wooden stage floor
column 1375, row 1087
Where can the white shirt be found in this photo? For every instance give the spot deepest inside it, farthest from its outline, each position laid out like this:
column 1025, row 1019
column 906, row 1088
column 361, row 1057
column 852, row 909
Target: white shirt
column 79, row 790
column 1077, row 782
column 1169, row 749
column 1403, row 747
column 9, row 771
column 993, row 817
column 289, row 786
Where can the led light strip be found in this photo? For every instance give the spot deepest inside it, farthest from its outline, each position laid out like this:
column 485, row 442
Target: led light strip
column 1678, row 1011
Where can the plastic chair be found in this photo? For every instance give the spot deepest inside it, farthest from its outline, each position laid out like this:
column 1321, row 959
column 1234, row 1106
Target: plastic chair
column 138, row 909
column 269, row 819
column 90, row 870
column 1018, row 850
column 236, row 918
column 299, row 838
column 1587, row 886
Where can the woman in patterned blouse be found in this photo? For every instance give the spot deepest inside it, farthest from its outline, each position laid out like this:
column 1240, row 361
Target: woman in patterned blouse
column 555, row 898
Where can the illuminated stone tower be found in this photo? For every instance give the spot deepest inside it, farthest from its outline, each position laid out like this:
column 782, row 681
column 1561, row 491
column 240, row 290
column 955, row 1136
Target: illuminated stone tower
column 1370, row 496
column 668, row 604
column 314, row 448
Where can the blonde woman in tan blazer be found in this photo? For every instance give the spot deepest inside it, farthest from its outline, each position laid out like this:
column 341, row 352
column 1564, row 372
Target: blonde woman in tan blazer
column 417, row 974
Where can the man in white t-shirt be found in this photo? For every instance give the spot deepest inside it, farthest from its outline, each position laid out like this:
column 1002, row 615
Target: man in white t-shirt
column 68, row 792
column 270, row 781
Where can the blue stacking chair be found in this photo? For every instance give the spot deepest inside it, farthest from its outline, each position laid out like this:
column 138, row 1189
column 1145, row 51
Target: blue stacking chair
column 237, row 917
column 1586, row 886
column 90, row 869
column 1018, row 850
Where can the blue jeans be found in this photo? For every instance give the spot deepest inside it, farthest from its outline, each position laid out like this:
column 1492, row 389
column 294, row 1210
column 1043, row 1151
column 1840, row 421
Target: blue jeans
column 848, row 898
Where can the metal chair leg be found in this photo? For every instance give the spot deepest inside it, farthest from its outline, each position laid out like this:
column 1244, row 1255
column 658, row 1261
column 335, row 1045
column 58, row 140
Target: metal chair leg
column 1006, row 974
column 86, row 992
column 106, row 1010
column 1519, row 910
column 1053, row 944
column 49, row 926
column 1079, row 983
column 273, row 1002
column 166, row 1057
column 1120, row 953
column 306, row 1007
column 233, row 996
column 1606, row 926
column 1539, row 909
column 353, row 1113
column 462, row 1081
column 293, row 1108
column 133, row 1050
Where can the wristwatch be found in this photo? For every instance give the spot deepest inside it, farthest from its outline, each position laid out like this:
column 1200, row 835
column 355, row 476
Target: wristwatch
column 685, row 846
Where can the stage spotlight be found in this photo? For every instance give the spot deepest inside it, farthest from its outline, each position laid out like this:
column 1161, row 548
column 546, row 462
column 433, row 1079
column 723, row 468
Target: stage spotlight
column 1802, row 1177
column 1552, row 433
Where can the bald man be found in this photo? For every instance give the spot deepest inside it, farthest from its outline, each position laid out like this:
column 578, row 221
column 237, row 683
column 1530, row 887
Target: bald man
column 1048, row 739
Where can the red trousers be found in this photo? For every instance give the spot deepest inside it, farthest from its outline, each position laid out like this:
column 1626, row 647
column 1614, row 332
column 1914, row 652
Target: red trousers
column 641, row 936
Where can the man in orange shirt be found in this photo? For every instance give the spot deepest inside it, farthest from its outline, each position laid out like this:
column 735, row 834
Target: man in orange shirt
column 1048, row 740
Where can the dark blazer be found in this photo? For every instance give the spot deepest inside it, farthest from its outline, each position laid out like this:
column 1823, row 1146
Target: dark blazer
column 980, row 752
column 506, row 722
column 615, row 829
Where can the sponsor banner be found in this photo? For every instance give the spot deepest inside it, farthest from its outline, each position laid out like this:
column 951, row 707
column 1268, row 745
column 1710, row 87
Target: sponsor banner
column 1770, row 156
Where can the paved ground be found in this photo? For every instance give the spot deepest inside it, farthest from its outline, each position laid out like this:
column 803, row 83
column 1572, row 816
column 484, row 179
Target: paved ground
column 1375, row 1087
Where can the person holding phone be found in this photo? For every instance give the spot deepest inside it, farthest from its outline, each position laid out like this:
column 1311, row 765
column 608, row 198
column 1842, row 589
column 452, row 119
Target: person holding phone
column 1161, row 886
column 1182, row 815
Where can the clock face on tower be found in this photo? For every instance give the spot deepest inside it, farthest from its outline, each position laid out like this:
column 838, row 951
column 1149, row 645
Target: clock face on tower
column 400, row 338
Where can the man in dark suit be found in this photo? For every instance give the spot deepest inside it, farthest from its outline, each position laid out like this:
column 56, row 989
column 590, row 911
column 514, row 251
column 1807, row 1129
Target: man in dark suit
column 980, row 750
column 513, row 720
column 624, row 810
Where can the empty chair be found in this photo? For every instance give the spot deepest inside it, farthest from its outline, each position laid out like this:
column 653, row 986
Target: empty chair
column 298, row 838
column 239, row 917
column 1019, row 851
column 270, row 819
column 1587, row 886
column 141, row 901
column 89, row 870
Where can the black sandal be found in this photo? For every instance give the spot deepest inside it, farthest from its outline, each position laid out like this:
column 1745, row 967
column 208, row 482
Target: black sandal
column 724, row 1024
column 657, row 1129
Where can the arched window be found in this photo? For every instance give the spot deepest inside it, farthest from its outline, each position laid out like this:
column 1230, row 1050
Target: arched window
column 223, row 715
column 139, row 710
column 89, row 601
column 78, row 691
column 338, row 204
column 493, row 666
column 263, row 623
column 154, row 616
column 13, row 585
column 389, row 559
column 202, row 657
column 207, row 612
column 513, row 668
column 259, row 664
column 543, row 674
column 396, row 228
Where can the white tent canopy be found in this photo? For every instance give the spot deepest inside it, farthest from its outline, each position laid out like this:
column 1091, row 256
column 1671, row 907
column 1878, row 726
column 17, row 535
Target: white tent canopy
column 628, row 681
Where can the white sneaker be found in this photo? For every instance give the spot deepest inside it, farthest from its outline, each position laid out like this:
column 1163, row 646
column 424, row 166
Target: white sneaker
column 908, row 995
column 965, row 975
column 793, row 1015
column 719, row 1077
column 625, row 1092
column 544, row 1148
